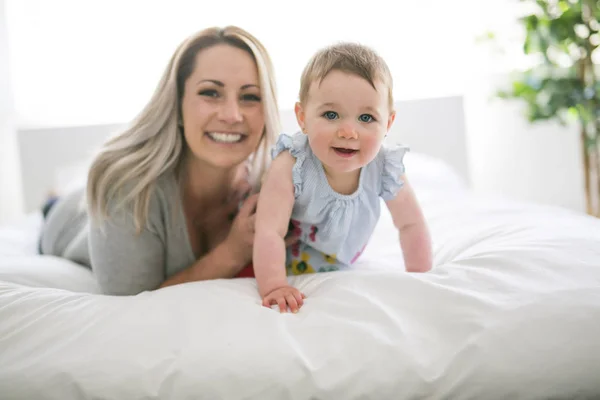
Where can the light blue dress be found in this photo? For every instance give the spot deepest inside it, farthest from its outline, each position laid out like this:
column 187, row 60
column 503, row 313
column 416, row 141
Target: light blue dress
column 334, row 228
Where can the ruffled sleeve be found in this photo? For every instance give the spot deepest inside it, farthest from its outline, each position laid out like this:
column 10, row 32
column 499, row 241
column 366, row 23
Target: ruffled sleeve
column 393, row 170
column 296, row 145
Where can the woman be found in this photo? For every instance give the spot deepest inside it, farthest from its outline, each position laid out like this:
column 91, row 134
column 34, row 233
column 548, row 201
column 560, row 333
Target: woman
column 163, row 196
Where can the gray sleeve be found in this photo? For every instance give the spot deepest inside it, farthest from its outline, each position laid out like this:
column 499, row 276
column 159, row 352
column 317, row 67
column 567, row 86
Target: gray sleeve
column 126, row 262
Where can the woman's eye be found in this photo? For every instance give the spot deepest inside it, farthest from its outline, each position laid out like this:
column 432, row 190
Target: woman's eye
column 366, row 118
column 250, row 97
column 330, row 115
column 209, row 93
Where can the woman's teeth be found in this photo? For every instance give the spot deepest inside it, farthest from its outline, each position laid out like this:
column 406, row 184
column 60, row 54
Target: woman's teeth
column 225, row 137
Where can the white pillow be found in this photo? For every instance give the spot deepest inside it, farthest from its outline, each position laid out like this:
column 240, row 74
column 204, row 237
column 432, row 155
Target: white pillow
column 426, row 172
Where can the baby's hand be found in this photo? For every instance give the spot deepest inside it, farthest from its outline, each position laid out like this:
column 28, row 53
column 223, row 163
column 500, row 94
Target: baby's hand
column 285, row 296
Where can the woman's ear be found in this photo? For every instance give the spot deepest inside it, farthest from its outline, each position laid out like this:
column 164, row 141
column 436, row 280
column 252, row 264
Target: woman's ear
column 299, row 115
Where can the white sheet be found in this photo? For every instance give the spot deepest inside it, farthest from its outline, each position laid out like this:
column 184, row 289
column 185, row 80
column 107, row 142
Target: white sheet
column 511, row 310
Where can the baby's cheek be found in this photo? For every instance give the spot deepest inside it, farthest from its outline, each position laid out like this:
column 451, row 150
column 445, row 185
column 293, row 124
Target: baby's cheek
column 319, row 144
column 370, row 146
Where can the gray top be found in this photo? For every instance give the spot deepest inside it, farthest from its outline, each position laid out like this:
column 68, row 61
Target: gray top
column 124, row 262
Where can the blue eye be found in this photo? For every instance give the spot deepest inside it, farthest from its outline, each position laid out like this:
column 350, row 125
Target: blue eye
column 331, row 115
column 366, row 118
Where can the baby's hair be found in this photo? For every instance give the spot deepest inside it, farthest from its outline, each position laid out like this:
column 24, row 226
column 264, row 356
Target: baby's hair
column 352, row 58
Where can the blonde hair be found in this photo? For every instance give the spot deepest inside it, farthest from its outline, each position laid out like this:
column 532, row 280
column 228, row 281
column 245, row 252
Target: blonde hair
column 352, row 58
column 154, row 143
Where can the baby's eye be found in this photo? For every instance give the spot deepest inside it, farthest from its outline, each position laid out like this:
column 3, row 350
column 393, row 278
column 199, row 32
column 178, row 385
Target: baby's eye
column 366, row 118
column 331, row 115
column 209, row 93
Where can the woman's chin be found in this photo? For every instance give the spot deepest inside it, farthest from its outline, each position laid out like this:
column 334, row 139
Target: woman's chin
column 220, row 161
column 222, row 155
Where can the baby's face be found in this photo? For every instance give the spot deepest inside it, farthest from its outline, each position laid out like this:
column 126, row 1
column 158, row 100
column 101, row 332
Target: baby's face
column 346, row 120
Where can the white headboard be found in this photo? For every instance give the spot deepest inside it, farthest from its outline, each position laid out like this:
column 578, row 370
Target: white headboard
column 51, row 156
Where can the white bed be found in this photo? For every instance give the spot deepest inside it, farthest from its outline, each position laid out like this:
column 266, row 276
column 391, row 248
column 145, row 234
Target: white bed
column 511, row 310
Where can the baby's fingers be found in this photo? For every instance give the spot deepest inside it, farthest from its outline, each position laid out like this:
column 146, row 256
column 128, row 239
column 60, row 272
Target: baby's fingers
column 279, row 300
column 292, row 298
column 293, row 303
column 282, row 304
column 299, row 297
column 267, row 302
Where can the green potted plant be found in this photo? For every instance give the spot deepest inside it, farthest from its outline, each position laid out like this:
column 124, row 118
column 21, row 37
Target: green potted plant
column 562, row 37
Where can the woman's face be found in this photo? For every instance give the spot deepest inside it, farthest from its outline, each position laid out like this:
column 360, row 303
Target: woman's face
column 222, row 111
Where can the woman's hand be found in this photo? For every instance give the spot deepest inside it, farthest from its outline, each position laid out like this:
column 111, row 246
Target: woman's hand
column 241, row 235
column 285, row 296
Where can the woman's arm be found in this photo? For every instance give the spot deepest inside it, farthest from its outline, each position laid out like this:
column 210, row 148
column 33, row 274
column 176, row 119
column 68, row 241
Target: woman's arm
column 124, row 262
column 414, row 235
column 219, row 263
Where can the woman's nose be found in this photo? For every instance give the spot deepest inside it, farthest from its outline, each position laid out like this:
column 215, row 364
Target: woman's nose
column 347, row 131
column 230, row 112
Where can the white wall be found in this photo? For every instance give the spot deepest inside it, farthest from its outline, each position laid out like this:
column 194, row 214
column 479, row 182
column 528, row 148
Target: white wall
column 510, row 157
column 86, row 63
column 11, row 205
column 81, row 62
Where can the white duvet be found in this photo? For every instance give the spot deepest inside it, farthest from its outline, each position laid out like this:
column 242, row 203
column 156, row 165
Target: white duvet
column 511, row 310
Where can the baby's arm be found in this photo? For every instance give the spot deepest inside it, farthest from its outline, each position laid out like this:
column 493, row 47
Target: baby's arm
column 414, row 235
column 273, row 212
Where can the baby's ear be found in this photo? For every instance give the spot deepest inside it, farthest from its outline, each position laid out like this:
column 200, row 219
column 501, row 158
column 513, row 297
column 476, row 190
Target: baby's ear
column 299, row 115
column 391, row 119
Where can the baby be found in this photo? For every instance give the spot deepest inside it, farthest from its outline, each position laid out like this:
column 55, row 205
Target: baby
column 328, row 178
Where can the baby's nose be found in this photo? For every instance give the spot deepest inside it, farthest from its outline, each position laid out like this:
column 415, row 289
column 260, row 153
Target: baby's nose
column 346, row 131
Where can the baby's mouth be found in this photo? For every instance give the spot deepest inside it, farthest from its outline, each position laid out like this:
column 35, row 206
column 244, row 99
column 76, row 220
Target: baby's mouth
column 344, row 152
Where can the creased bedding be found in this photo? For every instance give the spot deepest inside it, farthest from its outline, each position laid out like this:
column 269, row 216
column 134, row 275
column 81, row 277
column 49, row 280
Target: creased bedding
column 511, row 310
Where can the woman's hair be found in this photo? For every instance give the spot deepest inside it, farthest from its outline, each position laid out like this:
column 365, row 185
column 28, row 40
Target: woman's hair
column 154, row 143
column 352, row 58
